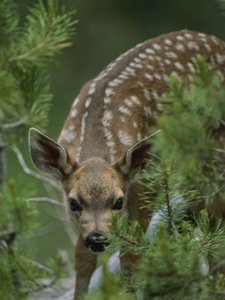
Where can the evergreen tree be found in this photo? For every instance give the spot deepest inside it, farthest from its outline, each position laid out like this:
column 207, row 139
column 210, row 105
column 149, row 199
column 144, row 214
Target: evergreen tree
column 26, row 49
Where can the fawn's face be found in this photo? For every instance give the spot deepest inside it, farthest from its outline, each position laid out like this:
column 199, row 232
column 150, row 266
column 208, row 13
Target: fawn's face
column 94, row 189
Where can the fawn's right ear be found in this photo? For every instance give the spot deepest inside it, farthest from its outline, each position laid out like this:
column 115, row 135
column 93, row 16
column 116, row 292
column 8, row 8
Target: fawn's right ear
column 48, row 156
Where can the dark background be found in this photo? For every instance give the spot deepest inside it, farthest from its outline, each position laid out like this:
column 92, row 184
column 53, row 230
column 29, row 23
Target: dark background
column 106, row 29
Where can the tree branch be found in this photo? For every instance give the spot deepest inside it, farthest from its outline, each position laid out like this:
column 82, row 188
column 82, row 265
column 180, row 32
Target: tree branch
column 32, row 173
column 15, row 124
column 46, row 200
column 2, row 165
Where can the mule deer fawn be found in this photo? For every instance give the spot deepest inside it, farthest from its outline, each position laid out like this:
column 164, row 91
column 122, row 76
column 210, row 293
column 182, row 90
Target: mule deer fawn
column 103, row 143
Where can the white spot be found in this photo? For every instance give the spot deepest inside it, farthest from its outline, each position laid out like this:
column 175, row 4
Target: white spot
column 207, row 47
column 73, row 113
column 215, row 40
column 83, row 126
column 110, row 143
column 142, row 55
column 150, row 51
column 159, row 106
column 188, row 36
column 180, row 47
column 135, row 125
column 155, row 94
column 151, row 57
column 171, row 55
column 139, row 66
column 149, row 77
column 125, row 110
column 158, row 58
column 115, row 82
column 147, row 111
column 92, row 88
column 147, row 94
column 150, row 67
column 125, row 138
column 137, row 60
column 193, row 46
column 68, row 135
column 165, row 77
column 128, row 102
column 88, row 102
column 139, row 136
column 75, row 102
column 191, row 68
column 201, row 34
column 157, row 76
column 168, row 42
column 130, row 70
column 108, row 116
column 140, row 83
column 109, row 92
column 220, row 58
column 132, row 64
column 107, row 100
column 122, row 76
column 167, row 61
column 179, row 66
column 135, row 100
column 180, row 38
column 156, row 47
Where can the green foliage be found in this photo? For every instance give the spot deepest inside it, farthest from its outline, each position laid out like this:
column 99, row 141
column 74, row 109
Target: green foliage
column 175, row 266
column 26, row 49
column 192, row 122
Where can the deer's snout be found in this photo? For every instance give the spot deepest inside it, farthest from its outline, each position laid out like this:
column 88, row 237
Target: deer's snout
column 96, row 242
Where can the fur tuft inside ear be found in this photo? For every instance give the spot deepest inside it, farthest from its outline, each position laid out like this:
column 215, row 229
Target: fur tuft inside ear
column 135, row 158
column 48, row 156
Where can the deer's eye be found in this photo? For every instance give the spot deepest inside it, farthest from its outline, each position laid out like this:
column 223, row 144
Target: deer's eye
column 119, row 204
column 74, row 206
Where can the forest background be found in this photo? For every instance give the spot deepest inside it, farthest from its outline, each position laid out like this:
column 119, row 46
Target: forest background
column 105, row 30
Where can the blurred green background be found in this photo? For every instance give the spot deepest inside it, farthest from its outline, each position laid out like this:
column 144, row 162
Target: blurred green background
column 106, row 29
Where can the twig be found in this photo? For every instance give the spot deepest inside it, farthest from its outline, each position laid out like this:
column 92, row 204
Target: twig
column 2, row 165
column 168, row 204
column 217, row 267
column 15, row 124
column 46, row 200
column 32, row 173
column 219, row 150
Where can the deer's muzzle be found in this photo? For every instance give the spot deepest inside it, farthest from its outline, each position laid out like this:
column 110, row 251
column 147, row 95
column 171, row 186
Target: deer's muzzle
column 96, row 242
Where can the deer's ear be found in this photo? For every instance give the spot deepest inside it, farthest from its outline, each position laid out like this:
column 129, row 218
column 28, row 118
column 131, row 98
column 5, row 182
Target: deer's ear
column 48, row 156
column 135, row 158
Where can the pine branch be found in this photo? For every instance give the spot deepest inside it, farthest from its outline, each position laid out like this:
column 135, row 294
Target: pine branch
column 32, row 173
column 47, row 31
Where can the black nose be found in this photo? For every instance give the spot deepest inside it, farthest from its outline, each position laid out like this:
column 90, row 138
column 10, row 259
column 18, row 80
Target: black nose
column 97, row 242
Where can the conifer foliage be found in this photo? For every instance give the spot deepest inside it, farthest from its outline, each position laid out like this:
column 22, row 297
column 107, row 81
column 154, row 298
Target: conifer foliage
column 27, row 46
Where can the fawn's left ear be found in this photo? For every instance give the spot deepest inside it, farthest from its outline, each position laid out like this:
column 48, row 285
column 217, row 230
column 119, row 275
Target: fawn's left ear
column 48, row 156
column 135, row 158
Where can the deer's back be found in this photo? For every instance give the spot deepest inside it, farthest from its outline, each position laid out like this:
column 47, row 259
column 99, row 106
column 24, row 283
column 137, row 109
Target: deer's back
column 117, row 108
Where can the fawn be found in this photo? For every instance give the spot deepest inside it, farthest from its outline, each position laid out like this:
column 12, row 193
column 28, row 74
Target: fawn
column 103, row 143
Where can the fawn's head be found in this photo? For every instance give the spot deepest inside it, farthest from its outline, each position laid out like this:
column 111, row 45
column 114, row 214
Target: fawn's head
column 94, row 188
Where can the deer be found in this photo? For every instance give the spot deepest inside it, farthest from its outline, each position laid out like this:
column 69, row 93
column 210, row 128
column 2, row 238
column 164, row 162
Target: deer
column 105, row 140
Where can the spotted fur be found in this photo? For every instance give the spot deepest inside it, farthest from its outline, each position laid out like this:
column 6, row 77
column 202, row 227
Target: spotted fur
column 118, row 90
